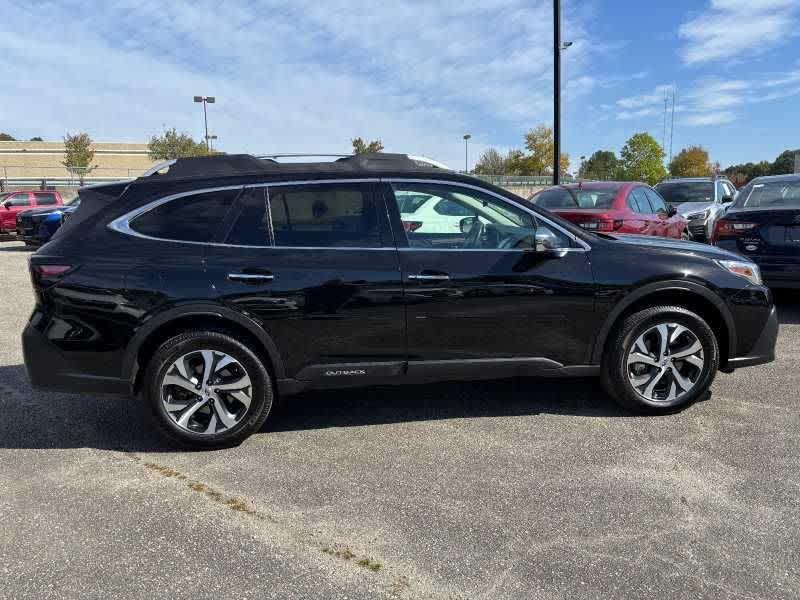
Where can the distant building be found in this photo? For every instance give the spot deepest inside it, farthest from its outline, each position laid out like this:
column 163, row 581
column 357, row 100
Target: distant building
column 25, row 164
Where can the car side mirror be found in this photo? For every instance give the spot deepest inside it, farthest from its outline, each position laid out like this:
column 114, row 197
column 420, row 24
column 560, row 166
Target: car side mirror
column 727, row 199
column 545, row 241
column 672, row 211
column 465, row 224
column 7, row 204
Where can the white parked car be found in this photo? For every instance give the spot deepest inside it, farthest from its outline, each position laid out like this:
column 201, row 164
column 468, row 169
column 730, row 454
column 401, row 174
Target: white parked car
column 423, row 213
column 700, row 200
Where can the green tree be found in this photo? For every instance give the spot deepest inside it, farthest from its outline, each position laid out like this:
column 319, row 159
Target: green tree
column 516, row 163
column 361, row 147
column 36, row 139
column 743, row 173
column 6, row 137
column 491, row 162
column 691, row 162
column 603, row 165
column 78, row 155
column 643, row 159
column 784, row 164
column 172, row 144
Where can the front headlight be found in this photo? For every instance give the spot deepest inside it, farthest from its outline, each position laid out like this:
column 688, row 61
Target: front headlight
column 699, row 215
column 742, row 268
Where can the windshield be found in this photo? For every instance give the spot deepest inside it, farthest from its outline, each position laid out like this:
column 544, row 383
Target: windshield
column 571, row 198
column 409, row 202
column 777, row 194
column 686, row 191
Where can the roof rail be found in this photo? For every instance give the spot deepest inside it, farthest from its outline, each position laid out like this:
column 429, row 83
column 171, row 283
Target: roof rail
column 429, row 162
column 300, row 155
column 166, row 164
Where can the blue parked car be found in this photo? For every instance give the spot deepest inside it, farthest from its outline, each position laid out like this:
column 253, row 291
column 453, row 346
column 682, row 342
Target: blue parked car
column 36, row 226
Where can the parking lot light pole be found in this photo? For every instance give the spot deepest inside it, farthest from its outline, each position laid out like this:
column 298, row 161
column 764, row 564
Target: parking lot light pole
column 556, row 91
column 466, row 152
column 205, row 100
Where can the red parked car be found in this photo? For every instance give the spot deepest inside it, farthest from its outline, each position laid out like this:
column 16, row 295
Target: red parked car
column 614, row 207
column 12, row 203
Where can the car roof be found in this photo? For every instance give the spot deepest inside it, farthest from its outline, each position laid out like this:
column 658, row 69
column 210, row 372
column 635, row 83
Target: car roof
column 693, row 179
column 233, row 165
column 777, row 178
column 600, row 185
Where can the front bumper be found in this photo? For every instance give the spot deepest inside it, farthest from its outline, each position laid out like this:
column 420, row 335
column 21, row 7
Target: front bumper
column 763, row 351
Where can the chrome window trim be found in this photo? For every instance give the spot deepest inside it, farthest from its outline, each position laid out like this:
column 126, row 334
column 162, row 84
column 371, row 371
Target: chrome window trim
column 477, row 188
column 122, row 224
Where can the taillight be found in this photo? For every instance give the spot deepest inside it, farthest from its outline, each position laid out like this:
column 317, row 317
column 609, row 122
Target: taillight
column 602, row 225
column 411, row 226
column 48, row 274
column 725, row 229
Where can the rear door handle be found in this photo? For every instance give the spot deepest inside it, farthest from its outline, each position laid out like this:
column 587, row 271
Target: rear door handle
column 251, row 277
column 429, row 277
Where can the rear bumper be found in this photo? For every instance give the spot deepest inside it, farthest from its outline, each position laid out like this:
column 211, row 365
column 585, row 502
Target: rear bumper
column 763, row 351
column 48, row 369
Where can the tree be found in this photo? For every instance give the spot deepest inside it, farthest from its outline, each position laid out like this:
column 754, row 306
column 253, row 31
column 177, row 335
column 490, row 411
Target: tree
column 643, row 159
column 743, row 173
column 491, row 162
column 691, row 162
column 516, row 163
column 361, row 147
column 78, row 155
column 784, row 164
column 5, row 137
column 541, row 145
column 172, row 144
column 36, row 139
column 602, row 165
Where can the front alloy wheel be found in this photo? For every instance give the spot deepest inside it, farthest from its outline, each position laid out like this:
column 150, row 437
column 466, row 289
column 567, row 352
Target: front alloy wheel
column 665, row 362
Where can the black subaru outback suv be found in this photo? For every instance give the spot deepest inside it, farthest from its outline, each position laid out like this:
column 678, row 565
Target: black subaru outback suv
column 216, row 286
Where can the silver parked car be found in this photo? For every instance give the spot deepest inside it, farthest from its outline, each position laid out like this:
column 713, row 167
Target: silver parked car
column 700, row 200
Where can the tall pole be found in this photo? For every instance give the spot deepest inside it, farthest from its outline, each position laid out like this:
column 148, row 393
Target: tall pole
column 556, row 91
column 205, row 119
column 466, row 152
column 672, row 122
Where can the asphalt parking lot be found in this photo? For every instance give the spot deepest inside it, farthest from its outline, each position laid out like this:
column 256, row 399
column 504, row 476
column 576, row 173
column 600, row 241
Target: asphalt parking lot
column 507, row 489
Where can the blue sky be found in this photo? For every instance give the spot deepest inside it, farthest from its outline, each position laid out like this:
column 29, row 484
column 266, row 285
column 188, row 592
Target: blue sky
column 309, row 75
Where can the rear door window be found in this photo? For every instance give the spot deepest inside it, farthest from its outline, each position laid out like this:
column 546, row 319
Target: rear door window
column 194, row 218
column 249, row 223
column 324, row 216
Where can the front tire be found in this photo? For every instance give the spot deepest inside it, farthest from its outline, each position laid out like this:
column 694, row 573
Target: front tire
column 660, row 359
column 205, row 389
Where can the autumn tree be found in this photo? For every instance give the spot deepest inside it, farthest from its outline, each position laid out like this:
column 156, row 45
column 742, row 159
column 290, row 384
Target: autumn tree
column 643, row 159
column 172, row 144
column 362, row 147
column 691, row 162
column 541, row 145
column 78, row 155
column 603, row 165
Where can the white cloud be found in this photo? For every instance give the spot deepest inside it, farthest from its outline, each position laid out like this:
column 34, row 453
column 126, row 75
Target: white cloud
column 709, row 118
column 300, row 76
column 730, row 28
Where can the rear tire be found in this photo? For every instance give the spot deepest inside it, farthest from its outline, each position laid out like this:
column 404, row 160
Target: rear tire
column 660, row 359
column 205, row 389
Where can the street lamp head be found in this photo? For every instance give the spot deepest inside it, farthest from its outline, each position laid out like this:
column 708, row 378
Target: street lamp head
column 467, row 136
column 566, row 45
column 211, row 99
column 198, row 98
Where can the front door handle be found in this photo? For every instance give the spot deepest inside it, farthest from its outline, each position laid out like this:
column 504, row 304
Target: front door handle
column 429, row 277
column 251, row 277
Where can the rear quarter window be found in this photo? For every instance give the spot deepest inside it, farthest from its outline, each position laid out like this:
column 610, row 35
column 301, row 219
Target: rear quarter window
column 194, row 218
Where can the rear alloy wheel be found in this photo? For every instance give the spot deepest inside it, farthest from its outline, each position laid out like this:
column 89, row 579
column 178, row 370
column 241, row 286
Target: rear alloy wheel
column 207, row 389
column 661, row 358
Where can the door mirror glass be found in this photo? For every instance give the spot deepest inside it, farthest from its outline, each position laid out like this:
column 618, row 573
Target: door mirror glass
column 7, row 204
column 727, row 199
column 546, row 240
column 466, row 224
column 671, row 211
